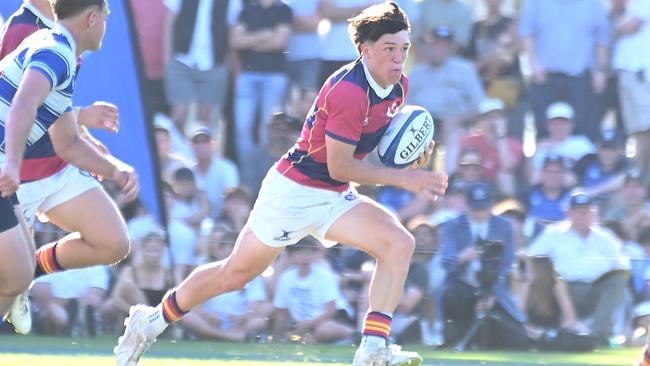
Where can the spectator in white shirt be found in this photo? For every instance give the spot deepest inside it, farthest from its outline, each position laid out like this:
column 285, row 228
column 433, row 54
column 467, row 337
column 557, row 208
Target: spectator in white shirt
column 591, row 260
column 560, row 141
column 306, row 298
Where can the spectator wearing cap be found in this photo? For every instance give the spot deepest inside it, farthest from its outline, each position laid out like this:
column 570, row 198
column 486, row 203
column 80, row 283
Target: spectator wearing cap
column 214, row 173
column 632, row 61
column 494, row 47
column 630, row 207
column 448, row 87
column 561, row 39
column 470, row 167
column 179, row 143
column 434, row 13
column 463, row 295
column 603, row 173
column 548, row 200
column 560, row 140
column 591, row 260
column 501, row 155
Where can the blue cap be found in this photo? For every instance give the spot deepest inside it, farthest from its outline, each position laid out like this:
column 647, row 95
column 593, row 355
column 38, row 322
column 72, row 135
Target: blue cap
column 443, row 32
column 581, row 199
column 479, row 196
column 608, row 138
column 554, row 158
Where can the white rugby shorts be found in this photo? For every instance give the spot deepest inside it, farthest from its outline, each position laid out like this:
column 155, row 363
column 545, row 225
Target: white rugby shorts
column 45, row 194
column 286, row 211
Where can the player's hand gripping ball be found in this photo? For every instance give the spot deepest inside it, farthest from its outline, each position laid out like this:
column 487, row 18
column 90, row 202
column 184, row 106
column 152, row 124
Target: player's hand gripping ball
column 409, row 134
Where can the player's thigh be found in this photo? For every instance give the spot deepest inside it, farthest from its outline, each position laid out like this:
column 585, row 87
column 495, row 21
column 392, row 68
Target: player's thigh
column 371, row 228
column 93, row 214
column 250, row 257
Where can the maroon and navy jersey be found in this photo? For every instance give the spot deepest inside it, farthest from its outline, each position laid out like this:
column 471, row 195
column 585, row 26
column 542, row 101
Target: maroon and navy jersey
column 42, row 161
column 347, row 109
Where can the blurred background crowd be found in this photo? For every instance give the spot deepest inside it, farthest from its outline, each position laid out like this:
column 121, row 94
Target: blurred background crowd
column 543, row 125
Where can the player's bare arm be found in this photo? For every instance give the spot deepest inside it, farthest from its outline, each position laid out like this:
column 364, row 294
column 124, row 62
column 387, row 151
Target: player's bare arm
column 345, row 168
column 69, row 145
column 31, row 94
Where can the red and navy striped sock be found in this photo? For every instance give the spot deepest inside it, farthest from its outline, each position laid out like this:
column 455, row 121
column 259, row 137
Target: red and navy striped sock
column 377, row 325
column 46, row 261
column 170, row 309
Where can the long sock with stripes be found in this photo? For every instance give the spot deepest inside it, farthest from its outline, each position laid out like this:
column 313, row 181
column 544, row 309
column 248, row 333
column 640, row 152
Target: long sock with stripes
column 46, row 261
column 376, row 329
column 166, row 312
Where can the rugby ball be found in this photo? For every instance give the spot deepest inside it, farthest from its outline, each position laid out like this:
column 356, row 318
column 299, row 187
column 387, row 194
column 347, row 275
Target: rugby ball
column 408, row 135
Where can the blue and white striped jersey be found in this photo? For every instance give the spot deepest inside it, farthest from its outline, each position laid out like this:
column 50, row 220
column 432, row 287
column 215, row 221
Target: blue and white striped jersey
column 52, row 53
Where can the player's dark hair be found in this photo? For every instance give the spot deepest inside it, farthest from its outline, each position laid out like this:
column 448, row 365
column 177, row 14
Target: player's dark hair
column 377, row 20
column 68, row 8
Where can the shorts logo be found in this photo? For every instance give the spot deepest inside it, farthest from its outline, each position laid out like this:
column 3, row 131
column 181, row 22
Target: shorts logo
column 284, row 236
column 27, row 217
column 350, row 197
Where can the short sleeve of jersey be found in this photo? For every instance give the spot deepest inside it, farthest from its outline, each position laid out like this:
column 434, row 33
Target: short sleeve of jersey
column 52, row 64
column 346, row 106
column 13, row 36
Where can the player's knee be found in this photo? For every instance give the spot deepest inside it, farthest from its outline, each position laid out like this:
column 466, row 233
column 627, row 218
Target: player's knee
column 401, row 246
column 117, row 248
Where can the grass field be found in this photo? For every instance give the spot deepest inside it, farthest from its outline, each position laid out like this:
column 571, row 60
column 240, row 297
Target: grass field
column 46, row 351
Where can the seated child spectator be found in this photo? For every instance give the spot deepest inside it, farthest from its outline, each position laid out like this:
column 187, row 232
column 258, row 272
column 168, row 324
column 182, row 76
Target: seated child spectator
column 306, row 299
column 233, row 316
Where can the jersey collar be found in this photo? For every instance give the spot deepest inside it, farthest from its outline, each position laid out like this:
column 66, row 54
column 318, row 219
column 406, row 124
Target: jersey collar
column 49, row 22
column 58, row 28
column 381, row 92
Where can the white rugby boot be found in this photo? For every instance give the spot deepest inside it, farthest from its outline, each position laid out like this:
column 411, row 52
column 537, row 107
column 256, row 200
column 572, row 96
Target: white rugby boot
column 133, row 343
column 19, row 315
column 390, row 356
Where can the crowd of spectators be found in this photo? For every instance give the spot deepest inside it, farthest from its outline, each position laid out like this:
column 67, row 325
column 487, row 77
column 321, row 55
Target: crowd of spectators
column 546, row 223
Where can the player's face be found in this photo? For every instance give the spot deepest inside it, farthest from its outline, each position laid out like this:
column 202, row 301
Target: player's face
column 98, row 28
column 386, row 57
